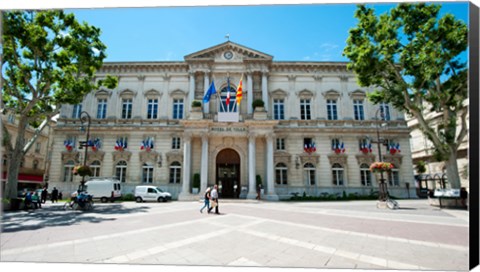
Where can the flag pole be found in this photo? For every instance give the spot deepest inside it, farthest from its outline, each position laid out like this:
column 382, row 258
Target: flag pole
column 219, row 98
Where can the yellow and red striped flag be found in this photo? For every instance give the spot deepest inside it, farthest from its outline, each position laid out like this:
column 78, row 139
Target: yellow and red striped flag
column 239, row 91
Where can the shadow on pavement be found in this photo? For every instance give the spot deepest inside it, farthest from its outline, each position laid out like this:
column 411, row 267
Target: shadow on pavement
column 51, row 216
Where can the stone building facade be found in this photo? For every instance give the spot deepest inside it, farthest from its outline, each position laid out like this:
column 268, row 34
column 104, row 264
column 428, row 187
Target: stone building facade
column 307, row 138
column 423, row 150
column 33, row 172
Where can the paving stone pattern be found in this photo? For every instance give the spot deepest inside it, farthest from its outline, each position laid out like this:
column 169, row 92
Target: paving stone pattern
column 351, row 235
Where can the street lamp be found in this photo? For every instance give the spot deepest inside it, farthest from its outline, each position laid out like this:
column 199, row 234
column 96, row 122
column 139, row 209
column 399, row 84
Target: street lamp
column 382, row 187
column 84, row 118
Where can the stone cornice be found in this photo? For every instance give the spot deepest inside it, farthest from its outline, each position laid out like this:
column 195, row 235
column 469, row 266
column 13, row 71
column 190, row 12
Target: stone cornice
column 143, row 67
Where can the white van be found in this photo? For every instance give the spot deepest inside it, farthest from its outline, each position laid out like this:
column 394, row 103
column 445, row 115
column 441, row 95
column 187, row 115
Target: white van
column 104, row 188
column 151, row 193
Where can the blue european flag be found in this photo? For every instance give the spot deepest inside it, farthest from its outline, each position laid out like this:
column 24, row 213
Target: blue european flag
column 211, row 90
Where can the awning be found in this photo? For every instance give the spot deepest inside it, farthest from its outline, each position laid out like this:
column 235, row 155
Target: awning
column 25, row 178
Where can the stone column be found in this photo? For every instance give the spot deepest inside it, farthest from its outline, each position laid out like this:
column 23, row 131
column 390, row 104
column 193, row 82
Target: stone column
column 265, row 90
column 271, row 195
column 185, row 193
column 204, row 164
column 192, row 88
column 252, row 190
column 206, row 108
column 249, row 93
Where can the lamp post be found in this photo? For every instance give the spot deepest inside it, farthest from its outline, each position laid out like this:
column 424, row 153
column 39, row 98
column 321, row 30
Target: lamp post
column 84, row 118
column 382, row 187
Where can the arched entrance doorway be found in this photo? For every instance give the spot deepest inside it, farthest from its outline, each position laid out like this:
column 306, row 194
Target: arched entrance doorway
column 228, row 173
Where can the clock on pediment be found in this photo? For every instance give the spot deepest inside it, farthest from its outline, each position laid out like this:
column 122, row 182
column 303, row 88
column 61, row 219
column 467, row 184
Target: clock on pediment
column 228, row 55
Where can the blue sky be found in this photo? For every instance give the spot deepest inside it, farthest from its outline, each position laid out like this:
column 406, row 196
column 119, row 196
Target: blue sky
column 287, row 32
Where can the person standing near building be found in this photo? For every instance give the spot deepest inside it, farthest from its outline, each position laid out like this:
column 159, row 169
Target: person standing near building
column 54, row 195
column 206, row 200
column 214, row 197
column 44, row 195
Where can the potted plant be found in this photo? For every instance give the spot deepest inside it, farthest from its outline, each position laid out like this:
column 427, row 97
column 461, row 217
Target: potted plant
column 82, row 170
column 196, row 183
column 196, row 104
column 378, row 167
column 258, row 103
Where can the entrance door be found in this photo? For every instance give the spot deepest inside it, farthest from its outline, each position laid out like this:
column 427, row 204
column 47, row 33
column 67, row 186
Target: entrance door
column 228, row 173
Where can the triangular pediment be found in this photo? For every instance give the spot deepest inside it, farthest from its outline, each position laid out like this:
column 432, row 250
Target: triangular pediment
column 219, row 52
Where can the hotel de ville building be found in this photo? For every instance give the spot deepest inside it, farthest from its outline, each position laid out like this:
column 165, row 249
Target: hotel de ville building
column 316, row 133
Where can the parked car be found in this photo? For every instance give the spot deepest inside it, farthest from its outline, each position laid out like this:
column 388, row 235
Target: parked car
column 151, row 193
column 104, row 189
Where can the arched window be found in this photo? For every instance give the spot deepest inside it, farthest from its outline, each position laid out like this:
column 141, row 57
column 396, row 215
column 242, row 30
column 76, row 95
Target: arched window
column 175, row 170
column 309, row 173
column 394, row 177
column 121, row 171
column 67, row 171
column 147, row 175
column 232, row 106
column 281, row 174
column 365, row 175
column 337, row 174
column 95, row 166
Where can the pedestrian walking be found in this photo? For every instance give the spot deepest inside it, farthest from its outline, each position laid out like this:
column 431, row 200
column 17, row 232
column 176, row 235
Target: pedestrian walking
column 214, row 198
column 206, row 200
column 259, row 191
column 44, row 195
column 54, row 195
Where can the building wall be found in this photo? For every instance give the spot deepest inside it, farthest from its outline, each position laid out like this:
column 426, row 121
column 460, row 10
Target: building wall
column 290, row 81
column 423, row 150
column 37, row 153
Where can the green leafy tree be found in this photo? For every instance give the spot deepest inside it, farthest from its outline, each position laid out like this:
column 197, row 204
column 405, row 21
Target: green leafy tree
column 49, row 59
column 412, row 58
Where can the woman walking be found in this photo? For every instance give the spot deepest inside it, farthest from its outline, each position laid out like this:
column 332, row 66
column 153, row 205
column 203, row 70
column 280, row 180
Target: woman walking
column 207, row 200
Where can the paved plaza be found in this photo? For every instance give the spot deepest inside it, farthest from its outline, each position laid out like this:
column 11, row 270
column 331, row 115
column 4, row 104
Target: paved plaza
column 247, row 233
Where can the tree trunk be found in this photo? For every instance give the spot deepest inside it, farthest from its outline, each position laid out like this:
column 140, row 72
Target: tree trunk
column 452, row 170
column 11, row 187
column 15, row 158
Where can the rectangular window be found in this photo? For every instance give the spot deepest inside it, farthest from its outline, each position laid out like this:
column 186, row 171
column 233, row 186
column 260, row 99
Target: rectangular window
column 385, row 112
column 394, row 178
column 175, row 174
column 177, row 108
column 102, row 109
column 147, row 175
column 305, row 109
column 77, row 110
column 152, row 108
column 337, row 177
column 365, row 177
column 175, row 143
column 358, row 109
column 38, row 146
column 281, row 175
column 280, row 144
column 332, row 109
column 126, row 108
column 278, row 109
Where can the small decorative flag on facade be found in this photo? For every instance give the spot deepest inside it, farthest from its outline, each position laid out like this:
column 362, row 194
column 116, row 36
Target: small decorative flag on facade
column 147, row 144
column 68, row 145
column 95, row 144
